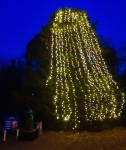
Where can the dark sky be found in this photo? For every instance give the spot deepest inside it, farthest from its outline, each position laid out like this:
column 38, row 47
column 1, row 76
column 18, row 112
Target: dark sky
column 20, row 20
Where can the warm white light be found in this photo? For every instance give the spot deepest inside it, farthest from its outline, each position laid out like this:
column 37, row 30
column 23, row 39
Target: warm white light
column 77, row 69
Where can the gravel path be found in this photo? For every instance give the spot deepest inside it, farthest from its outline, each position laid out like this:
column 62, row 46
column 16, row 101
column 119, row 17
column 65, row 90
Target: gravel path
column 114, row 139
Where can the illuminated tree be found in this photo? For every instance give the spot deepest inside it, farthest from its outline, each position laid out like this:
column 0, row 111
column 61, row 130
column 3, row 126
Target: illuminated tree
column 84, row 90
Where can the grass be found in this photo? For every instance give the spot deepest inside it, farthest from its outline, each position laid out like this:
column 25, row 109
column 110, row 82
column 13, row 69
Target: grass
column 112, row 139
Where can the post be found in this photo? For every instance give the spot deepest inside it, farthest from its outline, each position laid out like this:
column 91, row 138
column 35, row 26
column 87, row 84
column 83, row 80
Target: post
column 39, row 127
column 17, row 133
column 5, row 132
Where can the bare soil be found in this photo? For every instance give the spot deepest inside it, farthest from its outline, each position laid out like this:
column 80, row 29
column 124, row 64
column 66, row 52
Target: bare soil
column 112, row 139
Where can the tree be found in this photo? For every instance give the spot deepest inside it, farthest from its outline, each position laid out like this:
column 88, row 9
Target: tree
column 84, row 91
column 123, row 49
column 37, row 95
column 80, row 86
column 122, row 67
column 109, row 55
column 122, row 58
column 11, row 85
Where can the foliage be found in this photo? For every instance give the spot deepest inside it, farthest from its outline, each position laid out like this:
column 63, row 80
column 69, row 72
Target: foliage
column 54, row 59
column 24, row 86
column 37, row 94
column 11, row 85
column 110, row 56
column 121, row 79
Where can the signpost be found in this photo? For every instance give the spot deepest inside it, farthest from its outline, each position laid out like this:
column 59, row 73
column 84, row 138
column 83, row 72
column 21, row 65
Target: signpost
column 11, row 123
column 39, row 127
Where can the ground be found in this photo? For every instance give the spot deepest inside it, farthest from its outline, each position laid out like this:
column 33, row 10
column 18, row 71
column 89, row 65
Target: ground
column 112, row 139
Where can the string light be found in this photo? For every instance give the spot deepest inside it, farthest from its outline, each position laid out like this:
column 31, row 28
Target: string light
column 77, row 69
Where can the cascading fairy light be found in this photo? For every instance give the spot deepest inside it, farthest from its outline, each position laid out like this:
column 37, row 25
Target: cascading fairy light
column 77, row 68
column 69, row 53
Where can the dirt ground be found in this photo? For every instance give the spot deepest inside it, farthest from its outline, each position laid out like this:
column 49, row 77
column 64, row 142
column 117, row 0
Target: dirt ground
column 112, row 139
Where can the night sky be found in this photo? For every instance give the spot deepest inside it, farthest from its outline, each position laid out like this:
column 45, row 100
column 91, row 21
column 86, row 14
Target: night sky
column 21, row 20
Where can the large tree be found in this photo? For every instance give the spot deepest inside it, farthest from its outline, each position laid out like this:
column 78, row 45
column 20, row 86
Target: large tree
column 82, row 89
